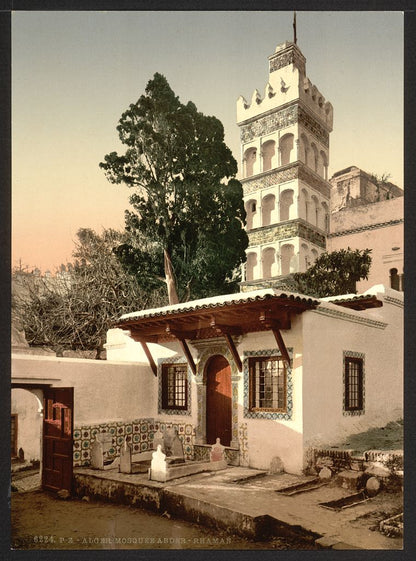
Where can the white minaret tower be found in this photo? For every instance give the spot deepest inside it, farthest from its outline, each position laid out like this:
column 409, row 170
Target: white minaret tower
column 285, row 152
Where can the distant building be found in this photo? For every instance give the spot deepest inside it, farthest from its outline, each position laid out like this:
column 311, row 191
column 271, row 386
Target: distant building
column 366, row 213
column 352, row 187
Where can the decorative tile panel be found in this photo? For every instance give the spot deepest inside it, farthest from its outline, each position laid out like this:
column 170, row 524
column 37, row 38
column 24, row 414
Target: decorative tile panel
column 283, row 118
column 294, row 170
column 289, row 56
column 243, row 441
column 137, row 432
column 312, row 125
column 287, row 230
column 274, row 121
column 202, row 453
column 287, row 416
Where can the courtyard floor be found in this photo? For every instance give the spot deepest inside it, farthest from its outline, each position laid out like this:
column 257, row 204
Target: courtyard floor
column 42, row 521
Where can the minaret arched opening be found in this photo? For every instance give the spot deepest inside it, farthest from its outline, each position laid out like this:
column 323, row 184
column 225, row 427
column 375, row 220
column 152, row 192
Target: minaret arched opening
column 269, row 262
column 303, row 204
column 268, row 153
column 287, row 253
column 286, row 149
column 324, row 165
column 251, row 266
column 304, row 149
column 250, row 156
column 304, row 258
column 268, row 205
column 325, row 217
column 286, row 203
column 314, row 218
column 251, row 211
column 314, row 157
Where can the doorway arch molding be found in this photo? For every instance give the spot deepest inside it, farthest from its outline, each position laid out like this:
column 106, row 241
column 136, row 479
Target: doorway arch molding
column 206, row 350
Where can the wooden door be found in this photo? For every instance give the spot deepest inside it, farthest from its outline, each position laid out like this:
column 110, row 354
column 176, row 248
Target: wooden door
column 218, row 401
column 57, row 438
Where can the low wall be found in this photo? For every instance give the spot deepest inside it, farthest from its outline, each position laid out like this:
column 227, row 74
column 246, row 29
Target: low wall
column 139, row 432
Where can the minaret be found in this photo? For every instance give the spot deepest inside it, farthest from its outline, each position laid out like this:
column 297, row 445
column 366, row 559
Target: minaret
column 285, row 153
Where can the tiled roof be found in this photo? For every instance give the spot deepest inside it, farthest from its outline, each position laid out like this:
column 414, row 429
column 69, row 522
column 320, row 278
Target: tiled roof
column 222, row 301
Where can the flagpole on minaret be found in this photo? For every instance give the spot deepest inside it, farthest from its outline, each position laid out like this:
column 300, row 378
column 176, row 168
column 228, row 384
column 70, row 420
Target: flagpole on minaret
column 295, row 40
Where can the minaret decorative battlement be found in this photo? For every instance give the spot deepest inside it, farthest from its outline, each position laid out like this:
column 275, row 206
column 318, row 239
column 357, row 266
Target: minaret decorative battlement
column 287, row 82
column 284, row 135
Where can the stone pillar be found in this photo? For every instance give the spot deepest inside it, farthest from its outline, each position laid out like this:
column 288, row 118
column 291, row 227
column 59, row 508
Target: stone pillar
column 38, row 393
column 200, row 429
column 297, row 149
column 234, row 443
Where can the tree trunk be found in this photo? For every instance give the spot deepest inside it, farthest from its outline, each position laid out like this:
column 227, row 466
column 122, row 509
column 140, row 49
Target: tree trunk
column 170, row 279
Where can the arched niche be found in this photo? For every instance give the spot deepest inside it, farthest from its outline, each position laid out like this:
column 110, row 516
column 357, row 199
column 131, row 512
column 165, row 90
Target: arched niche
column 268, row 206
column 286, row 149
column 286, row 204
column 251, row 211
column 251, row 266
column 250, row 156
column 268, row 153
column 269, row 262
column 287, row 253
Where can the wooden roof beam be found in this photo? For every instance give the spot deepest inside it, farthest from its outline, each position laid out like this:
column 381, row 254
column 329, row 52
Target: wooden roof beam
column 188, row 355
column 282, row 347
column 227, row 332
column 149, row 357
column 138, row 337
column 233, row 351
column 179, row 333
column 222, row 328
column 281, row 322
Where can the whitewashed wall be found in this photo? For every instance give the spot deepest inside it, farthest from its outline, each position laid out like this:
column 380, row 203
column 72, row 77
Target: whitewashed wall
column 325, row 338
column 267, row 439
column 103, row 390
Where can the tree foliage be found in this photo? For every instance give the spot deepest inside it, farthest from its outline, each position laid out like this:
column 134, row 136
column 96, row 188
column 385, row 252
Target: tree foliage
column 75, row 308
column 187, row 204
column 334, row 273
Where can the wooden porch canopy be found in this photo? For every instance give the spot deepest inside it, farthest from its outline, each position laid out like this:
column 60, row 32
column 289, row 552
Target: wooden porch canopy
column 359, row 302
column 222, row 316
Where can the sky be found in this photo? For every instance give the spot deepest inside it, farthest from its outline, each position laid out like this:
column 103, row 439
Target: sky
column 74, row 73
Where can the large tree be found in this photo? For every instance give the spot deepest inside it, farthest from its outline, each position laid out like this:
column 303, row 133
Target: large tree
column 74, row 308
column 186, row 201
column 333, row 273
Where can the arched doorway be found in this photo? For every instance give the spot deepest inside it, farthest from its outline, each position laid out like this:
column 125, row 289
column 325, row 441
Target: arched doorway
column 26, row 424
column 218, row 403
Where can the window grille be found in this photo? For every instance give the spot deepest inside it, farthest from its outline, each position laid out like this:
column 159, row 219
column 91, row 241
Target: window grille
column 353, row 384
column 174, row 386
column 267, row 384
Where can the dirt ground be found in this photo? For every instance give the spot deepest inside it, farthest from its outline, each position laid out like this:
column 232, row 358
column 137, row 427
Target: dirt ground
column 42, row 521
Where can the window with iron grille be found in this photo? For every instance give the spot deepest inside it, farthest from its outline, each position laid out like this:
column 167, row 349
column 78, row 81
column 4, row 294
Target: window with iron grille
column 268, row 384
column 353, row 380
column 174, row 386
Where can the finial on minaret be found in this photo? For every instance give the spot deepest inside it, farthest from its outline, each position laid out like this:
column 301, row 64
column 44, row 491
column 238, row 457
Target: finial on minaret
column 295, row 40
